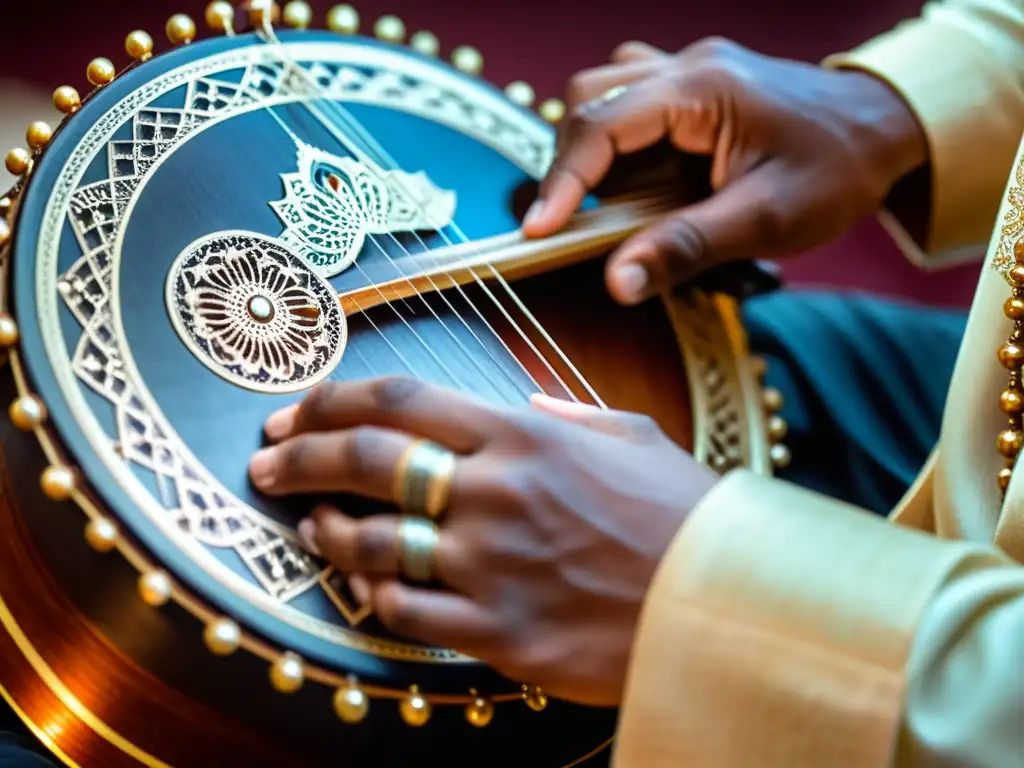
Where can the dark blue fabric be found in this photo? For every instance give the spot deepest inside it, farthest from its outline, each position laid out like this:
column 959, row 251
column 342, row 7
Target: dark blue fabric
column 864, row 382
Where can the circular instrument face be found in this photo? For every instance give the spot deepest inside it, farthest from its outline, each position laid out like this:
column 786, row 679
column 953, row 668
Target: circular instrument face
column 180, row 256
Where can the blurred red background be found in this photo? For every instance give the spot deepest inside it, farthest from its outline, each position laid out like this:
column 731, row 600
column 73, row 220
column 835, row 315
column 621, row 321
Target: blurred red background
column 46, row 43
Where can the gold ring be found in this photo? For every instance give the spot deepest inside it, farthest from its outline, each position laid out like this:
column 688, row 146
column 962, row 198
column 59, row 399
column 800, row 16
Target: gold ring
column 417, row 544
column 423, row 479
column 612, row 93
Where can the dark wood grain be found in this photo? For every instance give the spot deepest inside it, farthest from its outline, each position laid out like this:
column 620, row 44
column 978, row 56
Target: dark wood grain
column 156, row 718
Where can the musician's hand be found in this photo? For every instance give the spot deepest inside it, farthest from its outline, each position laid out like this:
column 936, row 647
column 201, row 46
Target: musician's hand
column 557, row 519
column 798, row 153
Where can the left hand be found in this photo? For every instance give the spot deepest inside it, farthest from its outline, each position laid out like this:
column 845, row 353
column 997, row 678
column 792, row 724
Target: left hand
column 556, row 521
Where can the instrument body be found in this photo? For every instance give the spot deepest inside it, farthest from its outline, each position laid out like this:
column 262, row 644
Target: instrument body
column 202, row 165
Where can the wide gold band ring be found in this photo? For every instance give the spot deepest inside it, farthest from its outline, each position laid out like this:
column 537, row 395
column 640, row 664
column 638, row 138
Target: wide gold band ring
column 417, row 546
column 423, row 479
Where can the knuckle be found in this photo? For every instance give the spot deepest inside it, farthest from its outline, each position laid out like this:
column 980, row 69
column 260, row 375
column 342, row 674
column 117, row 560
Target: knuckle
column 641, row 425
column 516, row 487
column 685, row 245
column 391, row 392
column 716, row 48
column 317, row 404
column 771, row 223
column 294, row 458
column 356, row 452
column 373, row 548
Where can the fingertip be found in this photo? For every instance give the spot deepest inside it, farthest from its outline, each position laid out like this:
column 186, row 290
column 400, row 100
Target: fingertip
column 629, row 279
column 281, row 423
column 307, row 532
column 566, row 409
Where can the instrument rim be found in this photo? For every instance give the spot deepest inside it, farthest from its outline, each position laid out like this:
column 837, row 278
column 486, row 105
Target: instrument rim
column 337, row 661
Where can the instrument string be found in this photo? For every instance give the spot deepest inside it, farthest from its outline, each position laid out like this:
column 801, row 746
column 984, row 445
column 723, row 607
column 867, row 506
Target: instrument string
column 389, row 260
column 390, row 304
column 357, row 128
column 346, row 118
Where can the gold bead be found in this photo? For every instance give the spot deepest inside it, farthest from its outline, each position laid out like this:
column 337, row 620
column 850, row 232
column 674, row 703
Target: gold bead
column 18, row 162
column 1010, row 401
column 552, row 110
column 758, row 366
column 155, row 588
column 297, row 14
column 343, row 19
column 1014, row 308
column 66, row 99
column 415, row 709
column 101, row 534
column 222, row 636
column 220, row 16
column 468, row 59
column 425, row 42
column 38, row 134
column 258, row 11
column 27, row 412
column 180, row 29
column 534, row 697
column 139, row 45
column 480, row 712
column 100, row 71
column 390, row 29
column 287, row 674
column 1009, row 442
column 772, row 399
column 57, row 483
column 351, row 703
column 1017, row 275
column 5, row 235
column 520, row 93
column 780, row 456
column 777, row 428
column 1011, row 355
column 1018, row 251
column 1003, row 478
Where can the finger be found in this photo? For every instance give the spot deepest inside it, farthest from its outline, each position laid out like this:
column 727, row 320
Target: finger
column 362, row 460
column 613, row 423
column 592, row 83
column 440, row 619
column 640, row 116
column 747, row 218
column 634, row 50
column 449, row 418
column 371, row 546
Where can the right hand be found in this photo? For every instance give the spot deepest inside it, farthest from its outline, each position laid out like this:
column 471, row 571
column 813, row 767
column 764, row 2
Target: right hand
column 799, row 154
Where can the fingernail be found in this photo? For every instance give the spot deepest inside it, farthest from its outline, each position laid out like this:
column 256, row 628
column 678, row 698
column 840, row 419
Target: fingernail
column 534, row 213
column 280, row 423
column 262, row 467
column 632, row 281
column 360, row 589
column 548, row 403
column 306, row 531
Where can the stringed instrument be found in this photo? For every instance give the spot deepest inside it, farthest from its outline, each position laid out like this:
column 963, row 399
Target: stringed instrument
column 207, row 235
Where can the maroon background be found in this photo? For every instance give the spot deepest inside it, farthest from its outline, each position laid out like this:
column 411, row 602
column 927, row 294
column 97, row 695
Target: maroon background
column 48, row 43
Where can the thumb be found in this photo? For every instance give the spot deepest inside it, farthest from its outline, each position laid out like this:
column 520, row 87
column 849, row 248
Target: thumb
column 614, row 423
column 747, row 218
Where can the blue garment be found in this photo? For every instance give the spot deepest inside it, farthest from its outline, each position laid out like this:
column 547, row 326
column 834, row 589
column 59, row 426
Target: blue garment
column 864, row 382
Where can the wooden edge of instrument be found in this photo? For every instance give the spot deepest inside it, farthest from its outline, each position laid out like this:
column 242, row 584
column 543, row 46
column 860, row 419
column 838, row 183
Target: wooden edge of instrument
column 78, row 716
column 729, row 420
